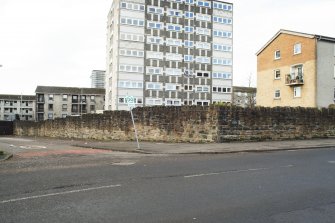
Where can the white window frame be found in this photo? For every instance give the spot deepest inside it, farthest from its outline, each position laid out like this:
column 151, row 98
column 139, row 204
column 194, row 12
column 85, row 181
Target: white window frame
column 154, row 70
column 155, row 40
column 221, row 89
column 170, row 87
column 297, row 48
column 154, row 86
column 156, row 10
column 277, row 56
column 275, row 74
column 202, row 88
column 173, row 72
column 172, row 102
column 153, row 101
column 131, row 37
column 220, row 75
column 222, row 34
column 297, row 92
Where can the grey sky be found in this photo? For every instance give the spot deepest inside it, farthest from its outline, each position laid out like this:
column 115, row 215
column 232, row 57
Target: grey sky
column 59, row 42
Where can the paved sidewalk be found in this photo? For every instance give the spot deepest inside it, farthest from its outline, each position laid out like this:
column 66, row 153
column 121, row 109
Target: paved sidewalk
column 211, row 148
column 51, row 145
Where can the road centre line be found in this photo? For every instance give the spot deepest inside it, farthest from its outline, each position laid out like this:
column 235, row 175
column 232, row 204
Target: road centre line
column 234, row 171
column 59, row 193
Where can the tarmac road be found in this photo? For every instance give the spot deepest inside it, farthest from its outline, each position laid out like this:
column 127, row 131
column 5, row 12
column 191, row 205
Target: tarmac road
column 61, row 183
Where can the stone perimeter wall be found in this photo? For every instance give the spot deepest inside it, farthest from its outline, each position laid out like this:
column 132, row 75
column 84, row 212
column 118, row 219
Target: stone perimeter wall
column 190, row 124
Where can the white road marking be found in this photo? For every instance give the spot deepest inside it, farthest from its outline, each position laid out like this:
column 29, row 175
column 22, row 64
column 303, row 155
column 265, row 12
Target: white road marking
column 59, row 193
column 123, row 164
column 332, row 162
column 234, row 171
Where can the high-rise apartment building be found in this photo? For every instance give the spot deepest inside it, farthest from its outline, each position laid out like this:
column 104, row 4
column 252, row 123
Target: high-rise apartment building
column 169, row 52
column 98, row 79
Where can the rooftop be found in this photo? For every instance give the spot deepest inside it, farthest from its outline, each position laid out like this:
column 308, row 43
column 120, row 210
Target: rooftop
column 69, row 90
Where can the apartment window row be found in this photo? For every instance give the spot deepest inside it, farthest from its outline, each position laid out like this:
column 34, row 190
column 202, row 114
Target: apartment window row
column 205, row 60
column 122, row 100
column 223, row 6
column 204, row 3
column 219, row 61
column 203, row 17
column 179, row 13
column 223, row 34
column 222, row 20
column 218, row 89
column 202, row 88
column 153, row 101
column 203, row 31
column 173, row 102
column 178, row 42
column 132, row 22
column 132, row 37
column 224, row 48
column 131, row 68
column 130, row 84
column 132, row 6
column 131, row 53
column 221, row 75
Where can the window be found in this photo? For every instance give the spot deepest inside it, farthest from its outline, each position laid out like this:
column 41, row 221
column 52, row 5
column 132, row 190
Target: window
column 219, row 75
column 51, row 97
column 203, row 17
column 132, row 6
column 64, row 115
column 202, row 74
column 131, row 68
column 132, row 37
column 173, row 27
column 277, row 54
column 222, row 6
column 51, row 107
column 204, row 4
column 132, row 22
column 202, row 88
column 154, row 55
column 155, row 40
column 64, row 107
column 189, row 15
column 154, row 86
column 220, row 89
column 225, row 62
column 222, row 20
column 202, row 60
column 92, row 97
column 203, row 31
column 176, row 13
column 173, row 102
column 50, row 116
column 155, row 25
column 224, row 48
column 188, row 58
column 173, row 72
column 277, row 94
column 297, row 92
column 188, row 43
column 222, row 34
column 170, row 87
column 189, row 29
column 174, row 57
column 297, row 48
column 202, row 102
column 64, row 97
column 130, row 84
column 173, row 42
column 189, row 1
column 153, row 101
column 131, row 53
column 188, row 87
column 156, row 10
column 203, row 45
column 277, row 74
column 154, row 70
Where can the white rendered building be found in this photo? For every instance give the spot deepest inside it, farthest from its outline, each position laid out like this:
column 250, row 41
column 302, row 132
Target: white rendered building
column 169, row 52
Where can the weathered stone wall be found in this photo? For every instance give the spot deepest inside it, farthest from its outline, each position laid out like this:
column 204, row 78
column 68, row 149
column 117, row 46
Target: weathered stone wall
column 191, row 124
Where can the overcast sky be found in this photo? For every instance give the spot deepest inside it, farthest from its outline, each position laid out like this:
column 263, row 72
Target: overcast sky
column 59, row 42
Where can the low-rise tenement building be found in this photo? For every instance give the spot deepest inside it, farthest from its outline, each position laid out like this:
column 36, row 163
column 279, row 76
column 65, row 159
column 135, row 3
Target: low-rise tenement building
column 244, row 96
column 59, row 102
column 296, row 69
column 13, row 106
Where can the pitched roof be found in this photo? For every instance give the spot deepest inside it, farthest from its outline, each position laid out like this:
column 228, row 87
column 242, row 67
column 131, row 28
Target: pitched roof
column 244, row 89
column 17, row 97
column 283, row 31
column 69, row 90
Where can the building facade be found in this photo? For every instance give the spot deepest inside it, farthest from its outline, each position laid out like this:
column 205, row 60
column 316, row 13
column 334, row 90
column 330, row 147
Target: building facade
column 244, row 96
column 13, row 106
column 59, row 102
column 296, row 69
column 98, row 79
column 169, row 52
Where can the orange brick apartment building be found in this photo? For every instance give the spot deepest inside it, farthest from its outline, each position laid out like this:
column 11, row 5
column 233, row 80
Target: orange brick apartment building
column 296, row 69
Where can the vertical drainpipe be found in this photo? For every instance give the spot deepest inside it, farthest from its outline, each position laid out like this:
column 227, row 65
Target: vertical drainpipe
column 317, row 38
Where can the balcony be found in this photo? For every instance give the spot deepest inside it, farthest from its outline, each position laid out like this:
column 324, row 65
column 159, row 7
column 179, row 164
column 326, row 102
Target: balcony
column 294, row 79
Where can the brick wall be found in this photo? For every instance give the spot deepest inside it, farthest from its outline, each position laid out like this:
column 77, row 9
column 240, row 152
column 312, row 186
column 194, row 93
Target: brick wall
column 190, row 124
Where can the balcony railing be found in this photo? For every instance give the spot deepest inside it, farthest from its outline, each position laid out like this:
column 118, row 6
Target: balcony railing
column 294, row 79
